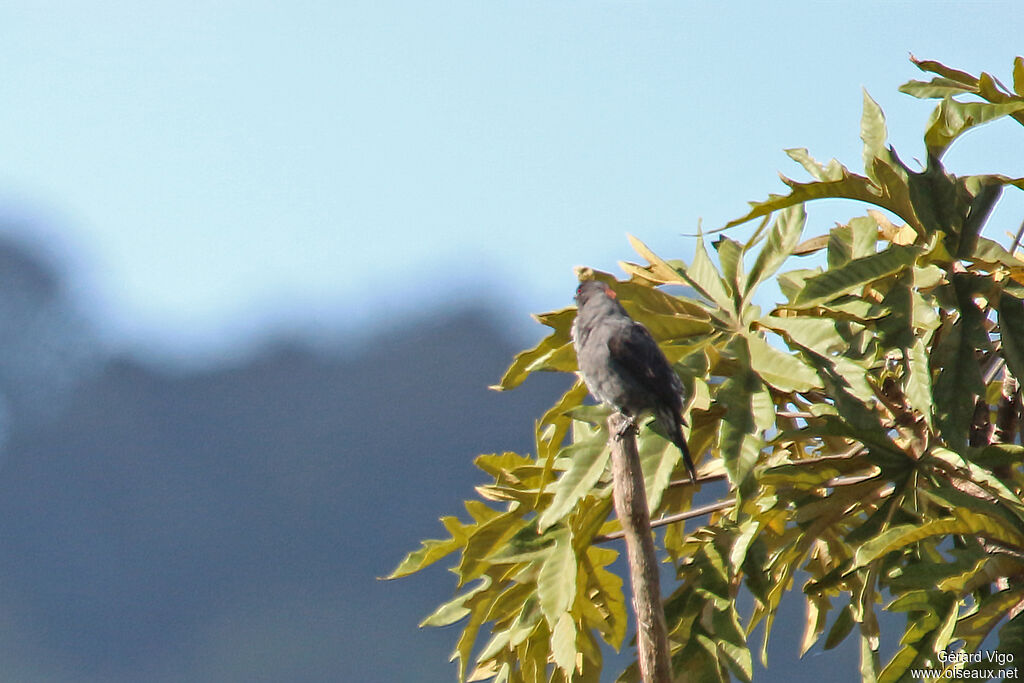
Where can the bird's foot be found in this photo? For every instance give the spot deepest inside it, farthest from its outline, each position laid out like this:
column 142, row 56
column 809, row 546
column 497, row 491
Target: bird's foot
column 626, row 427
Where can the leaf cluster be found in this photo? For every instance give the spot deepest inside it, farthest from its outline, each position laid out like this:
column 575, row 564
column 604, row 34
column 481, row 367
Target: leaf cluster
column 867, row 426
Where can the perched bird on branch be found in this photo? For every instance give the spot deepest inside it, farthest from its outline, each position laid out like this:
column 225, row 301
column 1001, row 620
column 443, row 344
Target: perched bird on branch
column 623, row 367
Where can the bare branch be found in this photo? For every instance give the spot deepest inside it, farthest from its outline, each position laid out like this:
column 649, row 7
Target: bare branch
column 672, row 519
column 630, row 498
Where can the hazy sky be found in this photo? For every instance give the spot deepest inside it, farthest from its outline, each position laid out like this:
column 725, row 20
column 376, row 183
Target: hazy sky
column 214, row 167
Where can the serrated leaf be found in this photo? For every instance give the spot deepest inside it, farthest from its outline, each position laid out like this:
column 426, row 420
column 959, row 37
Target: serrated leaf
column 1011, row 332
column 588, row 461
column 984, row 200
column 608, row 596
column 659, row 267
column 953, row 118
column 730, row 256
column 778, row 369
column 658, row 459
column 704, row 278
column 556, row 582
column 848, row 278
column 485, row 539
column 563, row 643
column 738, row 442
column 937, row 88
column 963, row 521
column 941, row 69
column 554, row 352
column 1011, row 635
column 456, row 609
column 430, row 552
column 817, row 333
column 918, row 385
column 975, row 627
column 873, row 134
column 782, row 239
column 674, row 327
column 497, row 464
column 848, row 186
column 959, row 379
column 834, row 170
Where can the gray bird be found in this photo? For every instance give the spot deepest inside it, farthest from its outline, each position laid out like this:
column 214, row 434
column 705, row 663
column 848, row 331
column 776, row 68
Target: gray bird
column 622, row 365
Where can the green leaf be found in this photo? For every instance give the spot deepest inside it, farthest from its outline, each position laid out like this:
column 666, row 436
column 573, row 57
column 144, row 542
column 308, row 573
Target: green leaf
column 730, row 256
column 674, row 327
column 456, row 609
column 658, row 459
column 981, row 206
column 554, row 352
column 588, row 461
column 607, row 593
column 738, row 441
column 937, row 88
column 855, row 240
column 847, row 186
column 703, row 277
column 780, row 370
column 946, row 72
column 834, row 170
column 974, row 628
column 817, row 332
column 556, row 582
column 1011, row 635
column 873, row 133
column 841, row 628
column 484, row 540
column 524, row 546
column 918, row 385
column 848, row 278
column 1011, row 332
column 952, row 118
column 814, row 624
column 563, row 643
column 963, row 521
column 498, row 465
column 868, row 659
column 430, row 552
column 784, row 236
column 959, row 380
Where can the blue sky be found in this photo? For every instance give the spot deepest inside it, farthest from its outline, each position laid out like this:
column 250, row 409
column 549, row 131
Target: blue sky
column 213, row 169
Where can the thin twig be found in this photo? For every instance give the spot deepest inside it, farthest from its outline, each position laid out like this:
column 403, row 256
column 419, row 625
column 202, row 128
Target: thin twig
column 795, row 414
column 700, row 480
column 672, row 519
column 1017, row 238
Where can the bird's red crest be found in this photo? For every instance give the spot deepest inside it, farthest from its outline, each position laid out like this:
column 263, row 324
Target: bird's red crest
column 610, row 293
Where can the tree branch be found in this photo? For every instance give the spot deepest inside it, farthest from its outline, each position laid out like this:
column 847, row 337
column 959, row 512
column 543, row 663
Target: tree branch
column 631, row 508
column 672, row 519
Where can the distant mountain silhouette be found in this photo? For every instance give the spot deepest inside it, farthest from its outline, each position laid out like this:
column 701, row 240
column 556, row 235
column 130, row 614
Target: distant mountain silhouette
column 229, row 524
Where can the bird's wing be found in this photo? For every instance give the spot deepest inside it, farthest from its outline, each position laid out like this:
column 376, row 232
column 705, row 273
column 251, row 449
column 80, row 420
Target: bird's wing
column 637, row 353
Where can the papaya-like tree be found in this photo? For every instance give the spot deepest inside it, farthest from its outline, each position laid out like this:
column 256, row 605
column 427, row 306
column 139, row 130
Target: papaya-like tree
column 866, row 427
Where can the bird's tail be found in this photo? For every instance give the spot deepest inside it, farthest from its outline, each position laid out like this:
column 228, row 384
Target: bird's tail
column 673, row 425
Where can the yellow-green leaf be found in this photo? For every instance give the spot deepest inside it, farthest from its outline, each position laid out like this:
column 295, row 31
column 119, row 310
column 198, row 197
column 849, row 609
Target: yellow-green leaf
column 588, row 460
